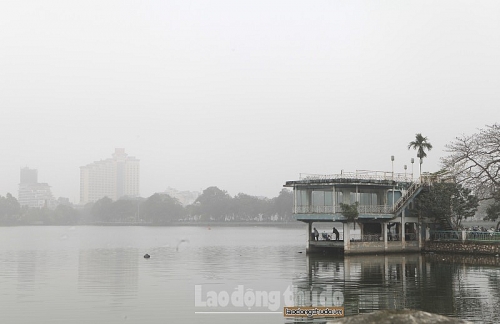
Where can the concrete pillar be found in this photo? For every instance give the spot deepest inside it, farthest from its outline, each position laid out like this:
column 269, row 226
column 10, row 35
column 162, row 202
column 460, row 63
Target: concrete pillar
column 463, row 236
column 347, row 238
column 295, row 199
column 403, row 230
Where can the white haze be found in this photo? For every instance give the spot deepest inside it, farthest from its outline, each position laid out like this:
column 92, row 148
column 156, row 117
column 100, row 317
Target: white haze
column 242, row 95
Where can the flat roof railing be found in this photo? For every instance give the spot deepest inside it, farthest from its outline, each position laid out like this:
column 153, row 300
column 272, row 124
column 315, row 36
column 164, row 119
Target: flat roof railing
column 360, row 174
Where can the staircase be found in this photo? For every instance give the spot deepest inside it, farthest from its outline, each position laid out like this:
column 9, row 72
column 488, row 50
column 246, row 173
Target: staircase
column 445, row 224
column 410, row 194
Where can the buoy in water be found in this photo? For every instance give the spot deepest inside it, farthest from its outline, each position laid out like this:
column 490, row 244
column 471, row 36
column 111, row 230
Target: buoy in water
column 146, row 256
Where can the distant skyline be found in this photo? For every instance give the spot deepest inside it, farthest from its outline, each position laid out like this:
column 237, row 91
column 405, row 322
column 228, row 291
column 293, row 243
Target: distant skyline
column 242, row 95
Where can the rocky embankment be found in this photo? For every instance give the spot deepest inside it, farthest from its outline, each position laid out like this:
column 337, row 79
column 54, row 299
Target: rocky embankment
column 399, row 316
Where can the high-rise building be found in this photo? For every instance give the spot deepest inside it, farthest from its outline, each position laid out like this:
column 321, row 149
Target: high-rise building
column 29, row 175
column 114, row 178
column 32, row 193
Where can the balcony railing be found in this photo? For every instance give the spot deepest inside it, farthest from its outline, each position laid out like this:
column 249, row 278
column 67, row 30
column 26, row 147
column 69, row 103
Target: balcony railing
column 314, row 210
column 360, row 174
column 363, row 209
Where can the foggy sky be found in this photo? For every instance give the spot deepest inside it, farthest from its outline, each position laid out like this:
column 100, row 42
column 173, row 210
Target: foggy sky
column 242, row 95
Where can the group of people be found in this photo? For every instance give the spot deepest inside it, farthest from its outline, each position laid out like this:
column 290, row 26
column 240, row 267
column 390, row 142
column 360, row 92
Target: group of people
column 315, row 235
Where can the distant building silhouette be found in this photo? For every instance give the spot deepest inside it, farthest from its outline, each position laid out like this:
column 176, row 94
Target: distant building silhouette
column 32, row 193
column 184, row 197
column 29, row 176
column 114, row 178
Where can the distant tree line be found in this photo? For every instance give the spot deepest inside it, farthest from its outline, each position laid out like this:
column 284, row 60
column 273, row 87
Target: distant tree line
column 213, row 205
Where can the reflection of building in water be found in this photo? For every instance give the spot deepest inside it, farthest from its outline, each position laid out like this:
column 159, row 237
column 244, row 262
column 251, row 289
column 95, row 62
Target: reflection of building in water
column 115, row 271
column 30, row 264
column 436, row 283
column 361, row 283
column 387, row 282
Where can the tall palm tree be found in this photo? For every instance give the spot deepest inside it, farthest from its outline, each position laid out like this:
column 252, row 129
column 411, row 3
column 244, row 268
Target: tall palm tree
column 420, row 144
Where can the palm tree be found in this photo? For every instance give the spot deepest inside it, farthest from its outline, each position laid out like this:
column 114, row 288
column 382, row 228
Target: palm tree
column 420, row 144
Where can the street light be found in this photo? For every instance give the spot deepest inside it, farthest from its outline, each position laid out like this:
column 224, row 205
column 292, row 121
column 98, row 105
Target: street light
column 412, row 161
column 392, row 159
column 405, row 172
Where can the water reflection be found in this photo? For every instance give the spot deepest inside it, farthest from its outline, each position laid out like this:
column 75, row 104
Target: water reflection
column 459, row 286
column 29, row 265
column 109, row 272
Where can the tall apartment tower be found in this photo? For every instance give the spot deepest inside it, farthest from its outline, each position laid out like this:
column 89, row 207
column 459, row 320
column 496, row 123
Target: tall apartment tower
column 115, row 177
column 32, row 193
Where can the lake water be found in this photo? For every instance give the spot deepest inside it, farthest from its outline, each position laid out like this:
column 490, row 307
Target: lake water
column 92, row 274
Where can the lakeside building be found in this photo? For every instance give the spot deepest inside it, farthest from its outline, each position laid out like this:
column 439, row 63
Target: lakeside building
column 114, row 177
column 32, row 193
column 384, row 202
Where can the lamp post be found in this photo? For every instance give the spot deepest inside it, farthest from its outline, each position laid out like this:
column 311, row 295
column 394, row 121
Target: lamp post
column 392, row 159
column 412, row 161
column 405, row 172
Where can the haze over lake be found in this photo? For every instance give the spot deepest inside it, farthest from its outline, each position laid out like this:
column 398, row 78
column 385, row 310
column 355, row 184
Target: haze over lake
column 93, row 274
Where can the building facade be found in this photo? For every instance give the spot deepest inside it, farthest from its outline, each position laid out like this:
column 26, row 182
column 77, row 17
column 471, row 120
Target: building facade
column 114, row 178
column 33, row 194
column 382, row 199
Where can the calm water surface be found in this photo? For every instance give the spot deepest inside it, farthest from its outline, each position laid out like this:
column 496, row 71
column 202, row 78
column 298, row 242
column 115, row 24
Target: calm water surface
column 98, row 275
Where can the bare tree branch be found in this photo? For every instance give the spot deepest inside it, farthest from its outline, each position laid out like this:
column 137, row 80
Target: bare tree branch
column 474, row 161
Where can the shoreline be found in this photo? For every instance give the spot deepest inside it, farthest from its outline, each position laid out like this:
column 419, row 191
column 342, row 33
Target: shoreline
column 292, row 224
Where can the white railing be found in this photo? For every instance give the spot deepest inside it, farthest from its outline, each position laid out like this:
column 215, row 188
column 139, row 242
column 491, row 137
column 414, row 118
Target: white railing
column 360, row 174
column 409, row 193
column 374, row 209
column 363, row 209
column 314, row 210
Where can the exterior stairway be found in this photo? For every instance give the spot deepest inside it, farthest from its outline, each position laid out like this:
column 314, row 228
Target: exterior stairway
column 445, row 224
column 410, row 194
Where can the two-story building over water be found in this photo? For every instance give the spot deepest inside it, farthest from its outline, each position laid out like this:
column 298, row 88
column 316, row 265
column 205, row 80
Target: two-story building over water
column 384, row 223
